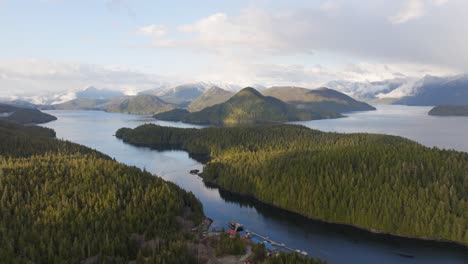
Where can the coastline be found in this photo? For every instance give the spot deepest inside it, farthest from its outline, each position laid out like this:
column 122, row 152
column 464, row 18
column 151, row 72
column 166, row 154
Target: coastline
column 204, row 159
column 341, row 224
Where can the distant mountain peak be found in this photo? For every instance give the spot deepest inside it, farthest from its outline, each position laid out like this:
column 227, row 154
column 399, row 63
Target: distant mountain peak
column 97, row 93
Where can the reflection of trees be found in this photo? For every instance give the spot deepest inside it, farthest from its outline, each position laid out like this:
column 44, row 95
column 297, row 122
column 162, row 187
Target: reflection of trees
column 296, row 223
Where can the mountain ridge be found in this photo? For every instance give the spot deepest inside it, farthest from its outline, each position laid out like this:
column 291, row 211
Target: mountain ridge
column 322, row 99
column 249, row 106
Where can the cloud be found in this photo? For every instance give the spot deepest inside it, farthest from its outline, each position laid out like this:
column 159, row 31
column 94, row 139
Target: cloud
column 330, row 5
column 27, row 77
column 414, row 9
column 361, row 32
column 440, row 2
column 156, row 31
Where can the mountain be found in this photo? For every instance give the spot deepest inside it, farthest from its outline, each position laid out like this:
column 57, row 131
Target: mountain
column 182, row 94
column 173, row 115
column 249, row 106
column 431, row 90
column 19, row 103
column 95, row 93
column 380, row 91
column 80, row 104
column 24, row 115
column 320, row 100
column 140, row 104
column 212, row 96
column 449, row 110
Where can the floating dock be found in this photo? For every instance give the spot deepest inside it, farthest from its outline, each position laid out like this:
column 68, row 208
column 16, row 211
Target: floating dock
column 276, row 244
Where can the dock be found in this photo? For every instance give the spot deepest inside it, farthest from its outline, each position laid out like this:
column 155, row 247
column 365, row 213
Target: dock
column 276, row 244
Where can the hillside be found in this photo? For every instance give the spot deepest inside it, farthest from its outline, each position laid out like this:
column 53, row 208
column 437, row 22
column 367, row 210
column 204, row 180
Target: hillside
column 321, row 100
column 212, row 96
column 24, row 115
column 95, row 93
column 80, row 104
column 431, row 91
column 249, row 106
column 65, row 203
column 377, row 182
column 449, row 110
column 141, row 105
column 175, row 115
column 182, row 95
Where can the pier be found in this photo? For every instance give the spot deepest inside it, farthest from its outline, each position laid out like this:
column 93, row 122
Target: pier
column 276, row 244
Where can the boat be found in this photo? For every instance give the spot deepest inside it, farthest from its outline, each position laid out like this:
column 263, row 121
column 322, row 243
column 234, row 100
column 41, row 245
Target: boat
column 194, row 171
column 236, row 226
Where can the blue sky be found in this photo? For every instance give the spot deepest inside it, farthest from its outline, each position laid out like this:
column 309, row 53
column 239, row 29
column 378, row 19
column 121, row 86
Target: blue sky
column 300, row 42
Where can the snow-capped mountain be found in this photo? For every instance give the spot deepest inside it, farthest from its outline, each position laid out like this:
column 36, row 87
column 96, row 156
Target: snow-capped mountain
column 95, row 93
column 429, row 90
column 367, row 91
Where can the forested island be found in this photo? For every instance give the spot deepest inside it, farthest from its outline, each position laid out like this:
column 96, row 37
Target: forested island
column 22, row 115
column 449, row 110
column 61, row 202
column 380, row 183
column 248, row 106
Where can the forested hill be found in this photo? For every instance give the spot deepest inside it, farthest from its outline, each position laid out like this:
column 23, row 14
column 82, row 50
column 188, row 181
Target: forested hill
column 377, row 182
column 322, row 99
column 248, row 106
column 64, row 203
column 23, row 115
column 449, row 110
column 141, row 105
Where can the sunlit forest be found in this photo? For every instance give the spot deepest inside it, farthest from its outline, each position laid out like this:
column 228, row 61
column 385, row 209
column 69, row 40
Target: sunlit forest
column 377, row 182
column 64, row 203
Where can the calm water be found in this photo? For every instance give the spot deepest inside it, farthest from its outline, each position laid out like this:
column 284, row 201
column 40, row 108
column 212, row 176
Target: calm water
column 333, row 243
column 411, row 122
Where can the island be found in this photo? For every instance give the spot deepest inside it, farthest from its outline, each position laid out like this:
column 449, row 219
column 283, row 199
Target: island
column 449, row 110
column 248, row 106
column 322, row 99
column 384, row 184
column 65, row 203
column 25, row 116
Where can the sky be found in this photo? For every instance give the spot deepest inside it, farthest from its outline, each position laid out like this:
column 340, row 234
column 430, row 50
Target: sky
column 133, row 45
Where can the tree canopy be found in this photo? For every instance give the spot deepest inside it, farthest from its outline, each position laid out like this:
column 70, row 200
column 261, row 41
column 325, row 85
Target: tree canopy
column 377, row 182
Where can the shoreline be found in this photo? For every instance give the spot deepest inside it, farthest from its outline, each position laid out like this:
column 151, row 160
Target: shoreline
column 205, row 158
column 353, row 226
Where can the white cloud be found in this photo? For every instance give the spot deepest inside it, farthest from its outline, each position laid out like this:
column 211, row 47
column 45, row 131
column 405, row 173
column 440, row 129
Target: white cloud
column 414, row 9
column 440, row 2
column 359, row 31
column 29, row 77
column 156, row 31
column 329, row 5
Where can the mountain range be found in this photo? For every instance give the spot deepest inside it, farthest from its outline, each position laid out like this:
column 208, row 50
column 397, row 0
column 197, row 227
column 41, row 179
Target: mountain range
column 427, row 91
column 431, row 90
